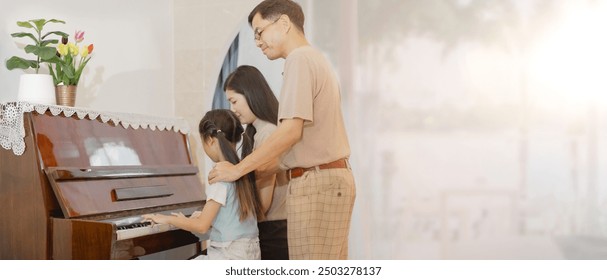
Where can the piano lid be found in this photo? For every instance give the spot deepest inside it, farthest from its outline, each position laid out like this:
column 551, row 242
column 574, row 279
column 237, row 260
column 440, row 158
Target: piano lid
column 12, row 133
column 72, row 142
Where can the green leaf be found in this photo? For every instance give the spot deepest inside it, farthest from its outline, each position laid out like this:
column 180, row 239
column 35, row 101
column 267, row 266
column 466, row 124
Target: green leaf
column 53, row 60
column 69, row 72
column 47, row 52
column 68, row 59
column 42, row 52
column 23, row 34
column 25, row 24
column 58, row 67
column 55, row 21
column 81, row 68
column 21, row 63
column 46, row 42
column 39, row 23
column 59, row 73
column 61, row 34
column 65, row 80
column 32, row 49
column 50, row 70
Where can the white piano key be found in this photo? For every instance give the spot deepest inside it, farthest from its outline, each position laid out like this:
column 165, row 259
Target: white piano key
column 142, row 231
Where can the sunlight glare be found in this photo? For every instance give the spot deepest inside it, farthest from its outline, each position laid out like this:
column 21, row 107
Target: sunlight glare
column 570, row 62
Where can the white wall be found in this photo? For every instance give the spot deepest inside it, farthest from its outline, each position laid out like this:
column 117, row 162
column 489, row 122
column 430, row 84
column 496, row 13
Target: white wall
column 203, row 32
column 132, row 65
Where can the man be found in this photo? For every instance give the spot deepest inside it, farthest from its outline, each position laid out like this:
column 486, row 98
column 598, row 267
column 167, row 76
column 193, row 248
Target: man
column 310, row 137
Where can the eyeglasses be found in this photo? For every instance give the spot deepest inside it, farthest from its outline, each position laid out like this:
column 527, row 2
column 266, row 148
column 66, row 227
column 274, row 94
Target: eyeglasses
column 258, row 31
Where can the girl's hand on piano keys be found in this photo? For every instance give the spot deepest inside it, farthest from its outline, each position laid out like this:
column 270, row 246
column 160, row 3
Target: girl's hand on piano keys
column 178, row 215
column 156, row 218
column 196, row 214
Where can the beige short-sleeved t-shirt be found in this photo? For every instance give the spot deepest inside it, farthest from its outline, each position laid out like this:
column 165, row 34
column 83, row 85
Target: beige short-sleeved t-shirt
column 310, row 91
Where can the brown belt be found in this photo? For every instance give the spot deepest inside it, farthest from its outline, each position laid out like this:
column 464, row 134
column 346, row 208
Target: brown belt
column 298, row 171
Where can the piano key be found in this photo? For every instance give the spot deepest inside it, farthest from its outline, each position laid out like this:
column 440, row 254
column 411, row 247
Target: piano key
column 142, row 230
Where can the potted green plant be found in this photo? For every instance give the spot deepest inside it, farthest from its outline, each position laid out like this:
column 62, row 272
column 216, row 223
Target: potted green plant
column 36, row 87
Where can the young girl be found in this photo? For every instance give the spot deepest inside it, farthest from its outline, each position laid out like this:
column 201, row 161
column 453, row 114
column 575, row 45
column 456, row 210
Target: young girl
column 254, row 103
column 232, row 209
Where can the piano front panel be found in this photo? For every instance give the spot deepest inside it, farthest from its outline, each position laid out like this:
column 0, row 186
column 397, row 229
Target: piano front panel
column 96, row 197
column 82, row 239
column 150, row 244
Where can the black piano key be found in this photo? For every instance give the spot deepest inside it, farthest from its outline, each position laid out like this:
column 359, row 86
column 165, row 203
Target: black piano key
column 135, row 225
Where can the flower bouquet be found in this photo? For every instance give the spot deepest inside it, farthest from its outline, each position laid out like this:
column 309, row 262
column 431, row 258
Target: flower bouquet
column 69, row 64
column 72, row 60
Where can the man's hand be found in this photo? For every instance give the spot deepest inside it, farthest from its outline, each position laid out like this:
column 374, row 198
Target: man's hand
column 224, row 172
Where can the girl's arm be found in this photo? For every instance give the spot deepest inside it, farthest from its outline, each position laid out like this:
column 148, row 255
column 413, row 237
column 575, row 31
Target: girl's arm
column 200, row 224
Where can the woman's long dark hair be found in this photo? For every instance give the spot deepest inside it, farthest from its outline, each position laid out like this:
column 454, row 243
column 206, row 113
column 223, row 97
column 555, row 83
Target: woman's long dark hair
column 223, row 125
column 248, row 81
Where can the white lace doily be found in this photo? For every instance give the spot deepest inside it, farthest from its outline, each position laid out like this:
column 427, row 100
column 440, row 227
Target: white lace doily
column 12, row 131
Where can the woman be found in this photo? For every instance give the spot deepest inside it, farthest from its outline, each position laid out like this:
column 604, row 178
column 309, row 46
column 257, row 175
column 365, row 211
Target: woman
column 252, row 100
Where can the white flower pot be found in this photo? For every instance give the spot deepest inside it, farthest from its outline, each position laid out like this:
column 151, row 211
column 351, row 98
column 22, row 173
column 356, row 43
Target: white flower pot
column 37, row 88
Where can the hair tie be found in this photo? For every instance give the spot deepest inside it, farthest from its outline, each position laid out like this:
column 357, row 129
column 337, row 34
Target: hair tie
column 218, row 131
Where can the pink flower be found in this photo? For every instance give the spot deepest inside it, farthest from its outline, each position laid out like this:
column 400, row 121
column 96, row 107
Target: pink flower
column 79, row 36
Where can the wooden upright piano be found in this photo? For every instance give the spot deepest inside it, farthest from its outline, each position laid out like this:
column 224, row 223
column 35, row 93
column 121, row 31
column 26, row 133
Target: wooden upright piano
column 78, row 183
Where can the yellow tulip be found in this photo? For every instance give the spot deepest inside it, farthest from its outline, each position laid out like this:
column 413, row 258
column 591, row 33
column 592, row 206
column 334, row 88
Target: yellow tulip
column 73, row 49
column 85, row 51
column 62, row 49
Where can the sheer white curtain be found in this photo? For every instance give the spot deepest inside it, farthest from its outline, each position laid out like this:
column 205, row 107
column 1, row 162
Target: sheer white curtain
column 475, row 127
